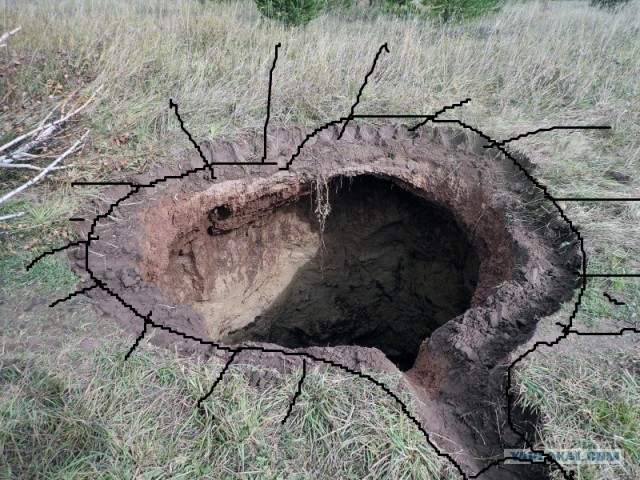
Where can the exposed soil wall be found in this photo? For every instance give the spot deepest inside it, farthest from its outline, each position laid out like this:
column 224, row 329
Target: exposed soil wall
column 390, row 269
column 435, row 252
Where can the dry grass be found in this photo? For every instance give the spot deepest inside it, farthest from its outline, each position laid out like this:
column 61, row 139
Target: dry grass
column 570, row 63
column 532, row 65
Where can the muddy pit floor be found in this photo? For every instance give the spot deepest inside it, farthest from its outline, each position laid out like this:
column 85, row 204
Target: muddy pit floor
column 386, row 251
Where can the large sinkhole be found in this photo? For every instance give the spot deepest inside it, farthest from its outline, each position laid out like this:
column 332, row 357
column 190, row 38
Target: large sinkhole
column 385, row 270
column 439, row 259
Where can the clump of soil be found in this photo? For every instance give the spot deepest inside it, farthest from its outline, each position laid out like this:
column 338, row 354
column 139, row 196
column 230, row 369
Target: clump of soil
column 383, row 250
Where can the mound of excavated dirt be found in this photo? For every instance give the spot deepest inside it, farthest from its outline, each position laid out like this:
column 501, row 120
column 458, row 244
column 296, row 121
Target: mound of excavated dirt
column 382, row 250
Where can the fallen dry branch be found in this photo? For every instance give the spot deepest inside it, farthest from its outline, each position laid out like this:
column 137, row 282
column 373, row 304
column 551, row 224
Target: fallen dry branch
column 11, row 216
column 45, row 171
column 22, row 152
column 15, row 141
column 5, row 36
column 32, row 167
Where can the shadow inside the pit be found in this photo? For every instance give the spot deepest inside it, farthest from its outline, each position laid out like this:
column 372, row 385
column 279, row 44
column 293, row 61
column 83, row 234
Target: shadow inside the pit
column 393, row 267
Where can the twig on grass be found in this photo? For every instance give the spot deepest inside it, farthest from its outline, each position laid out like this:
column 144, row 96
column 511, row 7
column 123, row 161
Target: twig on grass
column 13, row 215
column 6, row 159
column 44, row 172
column 32, row 167
column 22, row 152
column 5, row 36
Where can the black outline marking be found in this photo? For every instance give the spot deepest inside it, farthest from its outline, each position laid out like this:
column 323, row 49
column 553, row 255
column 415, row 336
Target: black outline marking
column 540, row 130
column 54, row 250
column 71, row 295
column 309, row 137
column 566, row 328
column 298, row 390
column 598, row 199
column 84, row 184
column 366, row 80
column 605, row 334
column 266, row 122
column 76, row 219
column 174, row 105
column 224, row 369
column 611, row 275
column 140, row 337
column 613, row 300
column 438, row 113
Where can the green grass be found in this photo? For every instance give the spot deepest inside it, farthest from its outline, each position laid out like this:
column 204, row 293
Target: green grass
column 588, row 400
column 214, row 61
column 47, row 276
column 118, row 419
column 42, row 228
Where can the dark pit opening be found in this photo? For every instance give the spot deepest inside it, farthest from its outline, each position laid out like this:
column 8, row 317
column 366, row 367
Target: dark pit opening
column 221, row 213
column 394, row 267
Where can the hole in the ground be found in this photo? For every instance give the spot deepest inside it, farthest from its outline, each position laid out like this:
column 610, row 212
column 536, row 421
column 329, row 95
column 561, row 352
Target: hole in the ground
column 221, row 213
column 394, row 269
column 388, row 270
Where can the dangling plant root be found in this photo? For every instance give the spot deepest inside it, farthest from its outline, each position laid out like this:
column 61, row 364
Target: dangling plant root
column 323, row 207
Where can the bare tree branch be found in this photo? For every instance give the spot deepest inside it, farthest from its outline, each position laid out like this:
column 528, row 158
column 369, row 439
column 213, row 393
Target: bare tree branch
column 13, row 215
column 41, row 175
column 5, row 36
column 21, row 153
column 48, row 125
column 32, row 167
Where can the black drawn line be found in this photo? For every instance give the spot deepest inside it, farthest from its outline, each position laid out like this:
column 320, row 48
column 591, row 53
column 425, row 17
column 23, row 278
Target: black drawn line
column 392, row 115
column 103, row 286
column 76, row 219
column 140, row 337
column 309, row 137
column 366, row 80
column 611, row 275
column 557, row 127
column 298, row 390
column 174, row 105
column 266, row 122
column 531, row 178
column 54, row 250
column 439, row 112
column 613, row 300
column 598, row 199
column 71, row 295
column 224, row 369
column 84, row 184
column 606, row 334
column 99, row 217
column 244, row 163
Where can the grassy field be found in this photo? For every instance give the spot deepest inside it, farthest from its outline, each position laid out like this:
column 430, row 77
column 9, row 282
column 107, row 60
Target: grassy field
column 69, row 410
column 137, row 420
